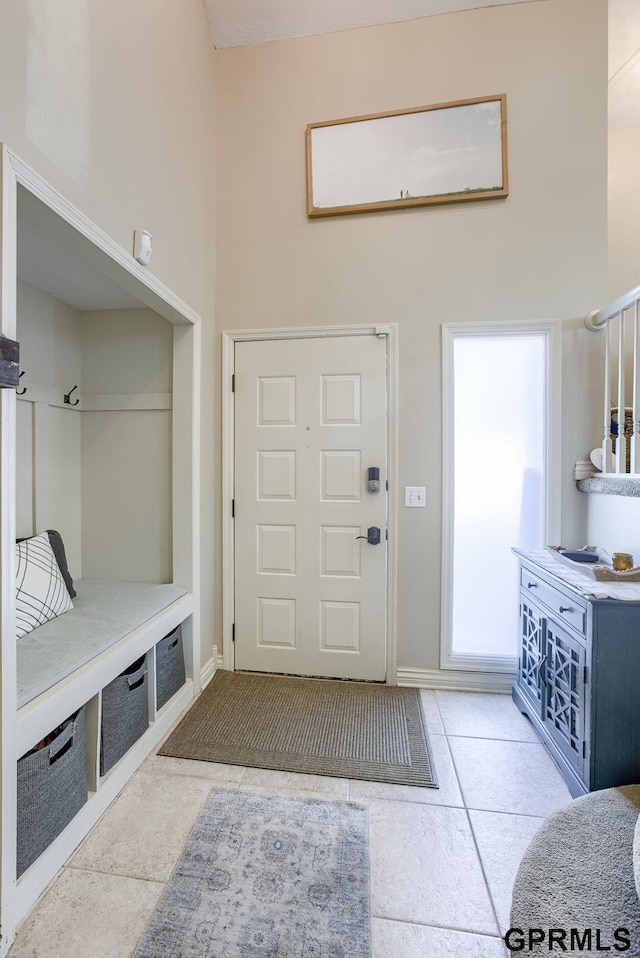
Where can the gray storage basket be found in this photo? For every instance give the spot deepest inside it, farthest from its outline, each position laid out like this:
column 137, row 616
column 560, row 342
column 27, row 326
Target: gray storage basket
column 125, row 714
column 52, row 788
column 170, row 675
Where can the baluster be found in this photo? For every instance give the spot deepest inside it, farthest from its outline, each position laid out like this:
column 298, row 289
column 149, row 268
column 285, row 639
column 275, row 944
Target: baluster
column 603, row 319
column 621, row 442
column 635, row 438
column 607, row 444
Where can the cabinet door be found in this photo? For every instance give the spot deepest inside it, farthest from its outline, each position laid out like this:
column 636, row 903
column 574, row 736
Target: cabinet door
column 532, row 631
column 564, row 692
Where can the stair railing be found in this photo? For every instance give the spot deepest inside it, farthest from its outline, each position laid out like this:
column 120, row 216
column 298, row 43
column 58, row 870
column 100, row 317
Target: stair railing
column 614, row 319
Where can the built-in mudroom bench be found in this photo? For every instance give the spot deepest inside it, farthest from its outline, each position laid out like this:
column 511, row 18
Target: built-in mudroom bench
column 99, row 493
column 579, row 670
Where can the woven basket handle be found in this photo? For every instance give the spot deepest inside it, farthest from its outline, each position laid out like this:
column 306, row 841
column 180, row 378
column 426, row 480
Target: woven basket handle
column 135, row 680
column 63, row 743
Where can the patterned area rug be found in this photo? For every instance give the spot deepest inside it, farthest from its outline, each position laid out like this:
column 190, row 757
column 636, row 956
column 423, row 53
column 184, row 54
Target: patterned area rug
column 319, row 726
column 267, row 877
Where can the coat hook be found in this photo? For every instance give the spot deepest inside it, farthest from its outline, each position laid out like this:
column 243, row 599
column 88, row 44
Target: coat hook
column 67, row 397
column 21, row 392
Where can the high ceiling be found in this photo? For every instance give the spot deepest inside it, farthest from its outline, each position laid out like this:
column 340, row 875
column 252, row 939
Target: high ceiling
column 237, row 23
column 240, row 23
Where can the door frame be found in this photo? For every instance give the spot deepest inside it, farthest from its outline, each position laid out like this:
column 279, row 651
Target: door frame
column 229, row 340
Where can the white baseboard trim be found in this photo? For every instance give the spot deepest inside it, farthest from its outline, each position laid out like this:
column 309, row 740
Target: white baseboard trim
column 208, row 670
column 456, row 681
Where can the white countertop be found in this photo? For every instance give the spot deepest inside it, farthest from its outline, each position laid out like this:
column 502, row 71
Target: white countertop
column 580, row 579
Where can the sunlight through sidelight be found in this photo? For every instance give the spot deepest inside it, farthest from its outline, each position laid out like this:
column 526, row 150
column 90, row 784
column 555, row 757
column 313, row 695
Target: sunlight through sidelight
column 499, row 482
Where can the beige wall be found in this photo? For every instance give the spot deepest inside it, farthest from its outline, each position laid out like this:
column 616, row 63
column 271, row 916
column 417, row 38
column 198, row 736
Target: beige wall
column 48, row 475
column 50, row 340
column 112, row 103
column 103, row 479
column 624, row 211
column 126, row 456
column 613, row 524
column 539, row 254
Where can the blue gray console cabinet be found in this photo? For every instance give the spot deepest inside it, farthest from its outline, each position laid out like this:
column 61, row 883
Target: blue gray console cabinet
column 579, row 678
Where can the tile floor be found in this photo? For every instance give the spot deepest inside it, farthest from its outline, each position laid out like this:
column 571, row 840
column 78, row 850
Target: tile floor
column 442, row 861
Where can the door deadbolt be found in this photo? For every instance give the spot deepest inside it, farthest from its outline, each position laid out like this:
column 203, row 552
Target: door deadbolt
column 373, row 479
column 372, row 536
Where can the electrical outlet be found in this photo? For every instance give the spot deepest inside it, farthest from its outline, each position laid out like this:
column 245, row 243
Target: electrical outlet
column 415, row 497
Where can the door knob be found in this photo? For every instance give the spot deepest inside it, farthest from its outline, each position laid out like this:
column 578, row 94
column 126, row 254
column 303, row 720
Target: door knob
column 372, row 536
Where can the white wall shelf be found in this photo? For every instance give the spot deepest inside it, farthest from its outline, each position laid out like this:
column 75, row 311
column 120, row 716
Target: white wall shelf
column 611, row 485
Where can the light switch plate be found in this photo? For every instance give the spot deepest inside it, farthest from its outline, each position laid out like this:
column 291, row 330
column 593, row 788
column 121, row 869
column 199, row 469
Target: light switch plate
column 415, row 497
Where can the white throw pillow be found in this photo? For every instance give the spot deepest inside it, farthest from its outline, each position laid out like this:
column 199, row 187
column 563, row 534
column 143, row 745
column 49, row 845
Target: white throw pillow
column 41, row 590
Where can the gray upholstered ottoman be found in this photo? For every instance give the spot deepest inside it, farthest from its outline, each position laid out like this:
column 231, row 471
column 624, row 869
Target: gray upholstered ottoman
column 578, row 873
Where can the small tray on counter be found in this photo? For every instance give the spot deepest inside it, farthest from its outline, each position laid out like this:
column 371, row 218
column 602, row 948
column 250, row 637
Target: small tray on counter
column 600, row 571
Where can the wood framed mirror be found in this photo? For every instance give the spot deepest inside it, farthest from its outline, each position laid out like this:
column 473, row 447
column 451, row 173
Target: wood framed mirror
column 423, row 156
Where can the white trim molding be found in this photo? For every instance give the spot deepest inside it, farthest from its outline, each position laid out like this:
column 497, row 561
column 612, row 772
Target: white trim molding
column 73, row 228
column 229, row 339
column 8, row 693
column 502, row 666
column 209, row 668
column 457, row 681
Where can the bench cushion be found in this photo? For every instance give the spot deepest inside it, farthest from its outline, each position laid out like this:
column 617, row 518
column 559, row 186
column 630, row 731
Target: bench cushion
column 104, row 612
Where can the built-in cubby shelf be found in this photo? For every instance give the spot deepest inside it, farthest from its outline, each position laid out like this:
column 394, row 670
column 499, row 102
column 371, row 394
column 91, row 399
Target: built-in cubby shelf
column 102, row 790
column 114, row 468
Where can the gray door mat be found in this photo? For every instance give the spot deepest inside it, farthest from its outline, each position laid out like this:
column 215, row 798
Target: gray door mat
column 356, row 730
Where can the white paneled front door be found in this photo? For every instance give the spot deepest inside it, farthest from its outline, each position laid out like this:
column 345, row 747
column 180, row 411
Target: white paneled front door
column 310, row 419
